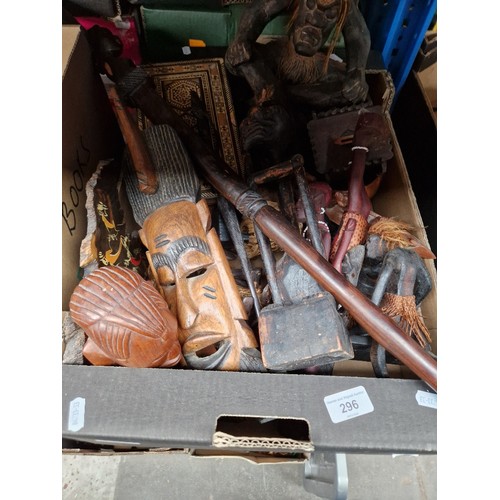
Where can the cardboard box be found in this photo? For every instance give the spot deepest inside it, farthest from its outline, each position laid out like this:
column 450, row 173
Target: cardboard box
column 141, row 409
column 89, row 134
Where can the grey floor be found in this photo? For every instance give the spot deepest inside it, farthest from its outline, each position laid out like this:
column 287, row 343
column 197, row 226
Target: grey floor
column 180, row 475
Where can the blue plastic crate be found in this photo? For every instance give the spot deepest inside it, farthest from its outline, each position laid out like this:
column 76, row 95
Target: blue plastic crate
column 397, row 29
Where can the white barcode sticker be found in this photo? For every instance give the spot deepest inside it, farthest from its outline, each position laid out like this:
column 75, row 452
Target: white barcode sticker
column 428, row 399
column 76, row 417
column 348, row 404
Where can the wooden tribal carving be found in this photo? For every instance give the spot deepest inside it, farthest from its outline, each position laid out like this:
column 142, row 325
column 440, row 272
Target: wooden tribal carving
column 371, row 132
column 188, row 262
column 127, row 321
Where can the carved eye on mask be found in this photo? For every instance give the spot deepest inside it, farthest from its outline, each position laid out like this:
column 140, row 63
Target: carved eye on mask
column 311, row 4
column 196, row 273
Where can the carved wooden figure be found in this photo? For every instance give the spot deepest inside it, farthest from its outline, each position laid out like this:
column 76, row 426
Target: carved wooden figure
column 297, row 60
column 389, row 268
column 371, row 132
column 294, row 70
column 188, row 261
column 127, row 321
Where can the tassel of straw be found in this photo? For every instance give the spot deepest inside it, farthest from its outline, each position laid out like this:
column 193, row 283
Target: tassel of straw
column 411, row 321
column 393, row 232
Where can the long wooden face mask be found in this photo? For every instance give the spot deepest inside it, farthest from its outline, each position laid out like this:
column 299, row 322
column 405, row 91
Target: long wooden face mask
column 189, row 264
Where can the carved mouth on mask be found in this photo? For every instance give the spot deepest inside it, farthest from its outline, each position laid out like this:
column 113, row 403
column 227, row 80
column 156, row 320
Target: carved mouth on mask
column 307, row 41
column 206, row 350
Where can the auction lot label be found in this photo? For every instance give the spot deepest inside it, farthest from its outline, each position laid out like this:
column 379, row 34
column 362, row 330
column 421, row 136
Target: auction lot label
column 348, row 404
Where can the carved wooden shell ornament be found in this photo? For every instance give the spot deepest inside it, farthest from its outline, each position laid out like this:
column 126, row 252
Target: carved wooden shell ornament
column 126, row 319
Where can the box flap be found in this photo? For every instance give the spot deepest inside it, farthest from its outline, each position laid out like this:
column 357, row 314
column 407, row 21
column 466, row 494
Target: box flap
column 90, row 134
column 70, row 36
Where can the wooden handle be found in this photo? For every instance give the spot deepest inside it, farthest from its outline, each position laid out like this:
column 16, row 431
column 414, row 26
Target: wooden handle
column 141, row 159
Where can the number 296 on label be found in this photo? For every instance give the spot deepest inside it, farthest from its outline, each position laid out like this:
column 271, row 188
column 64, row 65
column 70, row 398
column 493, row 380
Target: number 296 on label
column 348, row 404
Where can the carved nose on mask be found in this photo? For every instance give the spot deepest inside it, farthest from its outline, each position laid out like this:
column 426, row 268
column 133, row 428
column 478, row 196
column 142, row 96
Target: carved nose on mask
column 186, row 313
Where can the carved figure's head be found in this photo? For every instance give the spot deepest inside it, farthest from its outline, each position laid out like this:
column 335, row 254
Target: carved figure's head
column 195, row 279
column 312, row 23
column 127, row 321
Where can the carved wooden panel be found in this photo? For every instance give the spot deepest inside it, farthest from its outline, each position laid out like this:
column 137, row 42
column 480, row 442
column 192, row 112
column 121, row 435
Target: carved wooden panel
column 211, row 114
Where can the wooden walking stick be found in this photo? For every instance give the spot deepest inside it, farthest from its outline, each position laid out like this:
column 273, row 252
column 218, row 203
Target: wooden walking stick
column 137, row 90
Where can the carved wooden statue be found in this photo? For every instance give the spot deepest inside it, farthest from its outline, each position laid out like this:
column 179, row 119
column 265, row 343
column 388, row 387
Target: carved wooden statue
column 188, row 261
column 127, row 321
column 294, row 68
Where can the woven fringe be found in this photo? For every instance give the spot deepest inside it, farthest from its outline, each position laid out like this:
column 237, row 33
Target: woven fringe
column 357, row 238
column 392, row 231
column 411, row 322
column 295, row 68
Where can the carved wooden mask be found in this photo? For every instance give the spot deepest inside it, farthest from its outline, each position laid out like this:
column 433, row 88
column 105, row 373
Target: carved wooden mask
column 189, row 264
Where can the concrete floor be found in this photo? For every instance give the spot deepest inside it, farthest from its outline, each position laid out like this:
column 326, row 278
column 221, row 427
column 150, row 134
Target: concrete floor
column 180, row 475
